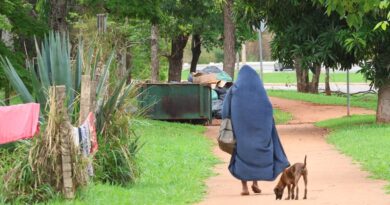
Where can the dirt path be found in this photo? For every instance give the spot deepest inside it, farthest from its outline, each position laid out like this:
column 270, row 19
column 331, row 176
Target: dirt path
column 333, row 178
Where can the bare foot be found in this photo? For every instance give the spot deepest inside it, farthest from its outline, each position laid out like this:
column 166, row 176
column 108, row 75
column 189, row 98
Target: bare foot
column 245, row 193
column 256, row 189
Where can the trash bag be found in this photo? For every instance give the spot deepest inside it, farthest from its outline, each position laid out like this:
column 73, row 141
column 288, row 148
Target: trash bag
column 211, row 69
column 221, row 75
column 216, row 108
column 224, row 77
column 214, row 95
column 220, row 91
column 190, row 78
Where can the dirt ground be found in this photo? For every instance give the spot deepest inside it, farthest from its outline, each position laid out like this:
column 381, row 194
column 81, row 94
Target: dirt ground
column 333, row 177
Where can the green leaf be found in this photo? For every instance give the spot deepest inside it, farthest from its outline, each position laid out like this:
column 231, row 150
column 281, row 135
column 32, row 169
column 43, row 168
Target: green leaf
column 378, row 25
column 15, row 80
column 100, row 88
column 384, row 4
column 384, row 25
column 40, row 91
column 42, row 67
column 79, row 66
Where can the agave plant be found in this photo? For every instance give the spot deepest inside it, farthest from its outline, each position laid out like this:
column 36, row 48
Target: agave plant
column 54, row 67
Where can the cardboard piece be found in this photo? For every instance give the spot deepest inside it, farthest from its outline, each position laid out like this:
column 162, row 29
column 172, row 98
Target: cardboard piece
column 202, row 78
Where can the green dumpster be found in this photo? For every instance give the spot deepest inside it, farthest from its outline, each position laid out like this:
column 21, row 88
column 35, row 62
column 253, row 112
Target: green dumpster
column 176, row 101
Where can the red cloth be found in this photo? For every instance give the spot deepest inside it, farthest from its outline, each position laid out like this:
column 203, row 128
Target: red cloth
column 18, row 122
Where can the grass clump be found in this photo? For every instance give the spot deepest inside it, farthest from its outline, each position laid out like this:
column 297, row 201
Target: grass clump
column 366, row 142
column 37, row 175
column 282, row 117
column 174, row 161
column 368, row 101
column 115, row 161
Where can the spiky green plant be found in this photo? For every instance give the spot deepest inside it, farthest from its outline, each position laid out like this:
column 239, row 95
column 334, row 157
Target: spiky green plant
column 116, row 160
column 54, row 67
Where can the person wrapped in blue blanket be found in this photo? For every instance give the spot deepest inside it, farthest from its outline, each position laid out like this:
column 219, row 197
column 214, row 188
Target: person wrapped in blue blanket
column 259, row 155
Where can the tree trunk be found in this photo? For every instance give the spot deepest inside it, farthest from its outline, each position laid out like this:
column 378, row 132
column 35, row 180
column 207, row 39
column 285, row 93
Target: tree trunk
column 315, row 80
column 176, row 57
column 228, row 38
column 129, row 58
column 154, row 54
column 123, row 63
column 327, row 86
column 196, row 51
column 58, row 13
column 383, row 108
column 302, row 77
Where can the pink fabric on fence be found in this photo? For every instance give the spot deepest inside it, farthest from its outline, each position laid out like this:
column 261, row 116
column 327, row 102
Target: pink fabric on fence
column 18, row 122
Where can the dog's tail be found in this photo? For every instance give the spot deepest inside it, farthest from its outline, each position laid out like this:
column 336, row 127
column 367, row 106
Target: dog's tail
column 304, row 163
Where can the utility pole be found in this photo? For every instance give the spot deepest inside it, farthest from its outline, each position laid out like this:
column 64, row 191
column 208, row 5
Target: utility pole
column 261, row 29
column 348, row 95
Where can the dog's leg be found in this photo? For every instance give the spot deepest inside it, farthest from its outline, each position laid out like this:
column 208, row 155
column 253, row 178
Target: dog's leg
column 292, row 191
column 305, row 180
column 288, row 192
column 296, row 194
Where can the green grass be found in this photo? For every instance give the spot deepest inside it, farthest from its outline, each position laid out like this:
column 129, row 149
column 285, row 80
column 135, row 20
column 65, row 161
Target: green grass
column 366, row 142
column 290, row 77
column 175, row 161
column 281, row 117
column 184, row 74
column 368, row 101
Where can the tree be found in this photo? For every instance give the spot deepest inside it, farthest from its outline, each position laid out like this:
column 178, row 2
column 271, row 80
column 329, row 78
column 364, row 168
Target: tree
column 229, row 38
column 17, row 19
column 183, row 19
column 354, row 12
column 370, row 46
column 154, row 53
column 207, row 29
column 58, row 14
column 303, row 36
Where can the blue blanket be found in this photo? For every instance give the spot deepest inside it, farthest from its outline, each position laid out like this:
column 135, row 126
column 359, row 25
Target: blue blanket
column 259, row 154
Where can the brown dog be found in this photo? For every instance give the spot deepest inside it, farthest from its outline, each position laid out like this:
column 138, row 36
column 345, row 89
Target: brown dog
column 290, row 178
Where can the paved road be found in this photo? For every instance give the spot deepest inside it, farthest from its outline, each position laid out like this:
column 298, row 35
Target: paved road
column 268, row 66
column 341, row 87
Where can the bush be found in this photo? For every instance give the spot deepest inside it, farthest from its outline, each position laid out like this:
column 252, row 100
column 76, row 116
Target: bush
column 115, row 162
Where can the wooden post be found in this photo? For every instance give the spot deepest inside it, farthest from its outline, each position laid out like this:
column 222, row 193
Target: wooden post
column 88, row 97
column 68, row 186
column 92, row 107
column 85, row 98
column 101, row 23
